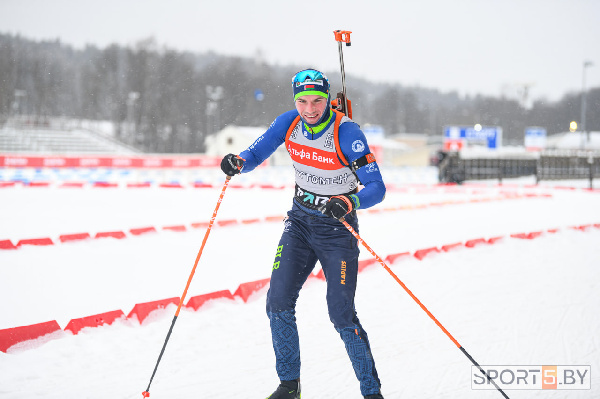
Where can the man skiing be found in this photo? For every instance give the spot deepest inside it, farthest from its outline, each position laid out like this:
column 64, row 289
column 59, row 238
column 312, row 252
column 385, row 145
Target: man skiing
column 331, row 159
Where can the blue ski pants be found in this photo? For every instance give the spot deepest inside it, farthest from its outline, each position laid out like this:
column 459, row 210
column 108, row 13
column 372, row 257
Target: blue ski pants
column 307, row 238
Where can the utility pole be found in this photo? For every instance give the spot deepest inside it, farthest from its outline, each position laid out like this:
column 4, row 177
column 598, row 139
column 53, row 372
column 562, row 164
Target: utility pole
column 214, row 94
column 584, row 131
column 132, row 98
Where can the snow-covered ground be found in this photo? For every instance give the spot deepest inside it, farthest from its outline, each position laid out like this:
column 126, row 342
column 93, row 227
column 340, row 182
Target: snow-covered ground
column 517, row 302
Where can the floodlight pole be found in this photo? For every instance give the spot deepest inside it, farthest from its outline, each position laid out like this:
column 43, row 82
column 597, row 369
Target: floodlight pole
column 584, row 131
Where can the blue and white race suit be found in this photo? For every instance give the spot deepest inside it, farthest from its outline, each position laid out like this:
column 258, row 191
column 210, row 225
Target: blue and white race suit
column 308, row 235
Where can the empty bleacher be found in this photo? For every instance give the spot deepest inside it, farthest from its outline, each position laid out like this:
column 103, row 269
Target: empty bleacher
column 55, row 141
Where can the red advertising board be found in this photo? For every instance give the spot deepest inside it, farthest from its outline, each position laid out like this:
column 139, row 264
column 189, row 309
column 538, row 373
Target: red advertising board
column 153, row 162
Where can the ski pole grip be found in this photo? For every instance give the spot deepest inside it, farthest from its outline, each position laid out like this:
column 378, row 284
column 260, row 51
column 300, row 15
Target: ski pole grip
column 342, row 36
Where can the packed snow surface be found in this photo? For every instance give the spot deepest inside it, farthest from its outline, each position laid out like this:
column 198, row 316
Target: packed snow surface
column 516, row 302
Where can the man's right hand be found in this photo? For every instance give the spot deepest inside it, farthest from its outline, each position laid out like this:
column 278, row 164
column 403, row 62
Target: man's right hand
column 232, row 164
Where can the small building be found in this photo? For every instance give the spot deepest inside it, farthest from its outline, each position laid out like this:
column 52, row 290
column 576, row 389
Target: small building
column 235, row 139
column 231, row 139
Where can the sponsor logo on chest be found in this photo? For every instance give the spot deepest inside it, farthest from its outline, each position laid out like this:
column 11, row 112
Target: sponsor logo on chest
column 313, row 157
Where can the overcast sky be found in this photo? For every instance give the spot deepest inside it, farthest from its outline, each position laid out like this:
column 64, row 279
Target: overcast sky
column 490, row 47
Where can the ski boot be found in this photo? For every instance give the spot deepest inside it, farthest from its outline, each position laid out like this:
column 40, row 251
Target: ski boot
column 376, row 396
column 287, row 390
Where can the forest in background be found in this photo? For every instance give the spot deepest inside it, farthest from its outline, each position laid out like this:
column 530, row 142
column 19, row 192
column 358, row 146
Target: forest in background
column 163, row 101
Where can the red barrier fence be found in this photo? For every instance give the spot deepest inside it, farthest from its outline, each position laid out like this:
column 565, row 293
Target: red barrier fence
column 7, row 244
column 12, row 336
column 245, row 290
column 97, row 320
column 199, row 300
column 113, row 234
column 142, row 310
column 74, row 237
column 159, row 162
column 36, row 241
column 421, row 253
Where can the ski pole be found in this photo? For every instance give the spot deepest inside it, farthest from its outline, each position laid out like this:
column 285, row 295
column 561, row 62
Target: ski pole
column 409, row 292
column 146, row 393
column 343, row 36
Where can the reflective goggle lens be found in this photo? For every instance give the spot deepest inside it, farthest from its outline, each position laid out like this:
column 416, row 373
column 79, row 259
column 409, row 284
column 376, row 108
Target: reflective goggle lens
column 309, row 74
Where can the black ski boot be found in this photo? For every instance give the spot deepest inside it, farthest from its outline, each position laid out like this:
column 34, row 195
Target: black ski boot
column 376, row 396
column 287, row 390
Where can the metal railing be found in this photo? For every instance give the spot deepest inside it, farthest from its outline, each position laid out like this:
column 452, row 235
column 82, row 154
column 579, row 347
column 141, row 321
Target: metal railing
column 580, row 165
column 548, row 166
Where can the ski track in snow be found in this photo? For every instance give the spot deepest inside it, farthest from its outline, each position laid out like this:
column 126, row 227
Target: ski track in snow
column 518, row 302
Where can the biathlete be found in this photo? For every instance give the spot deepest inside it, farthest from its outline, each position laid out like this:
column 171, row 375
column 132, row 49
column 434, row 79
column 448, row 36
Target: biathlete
column 332, row 161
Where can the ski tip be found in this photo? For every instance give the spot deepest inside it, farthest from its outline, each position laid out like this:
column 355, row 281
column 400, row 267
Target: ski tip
column 146, row 394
